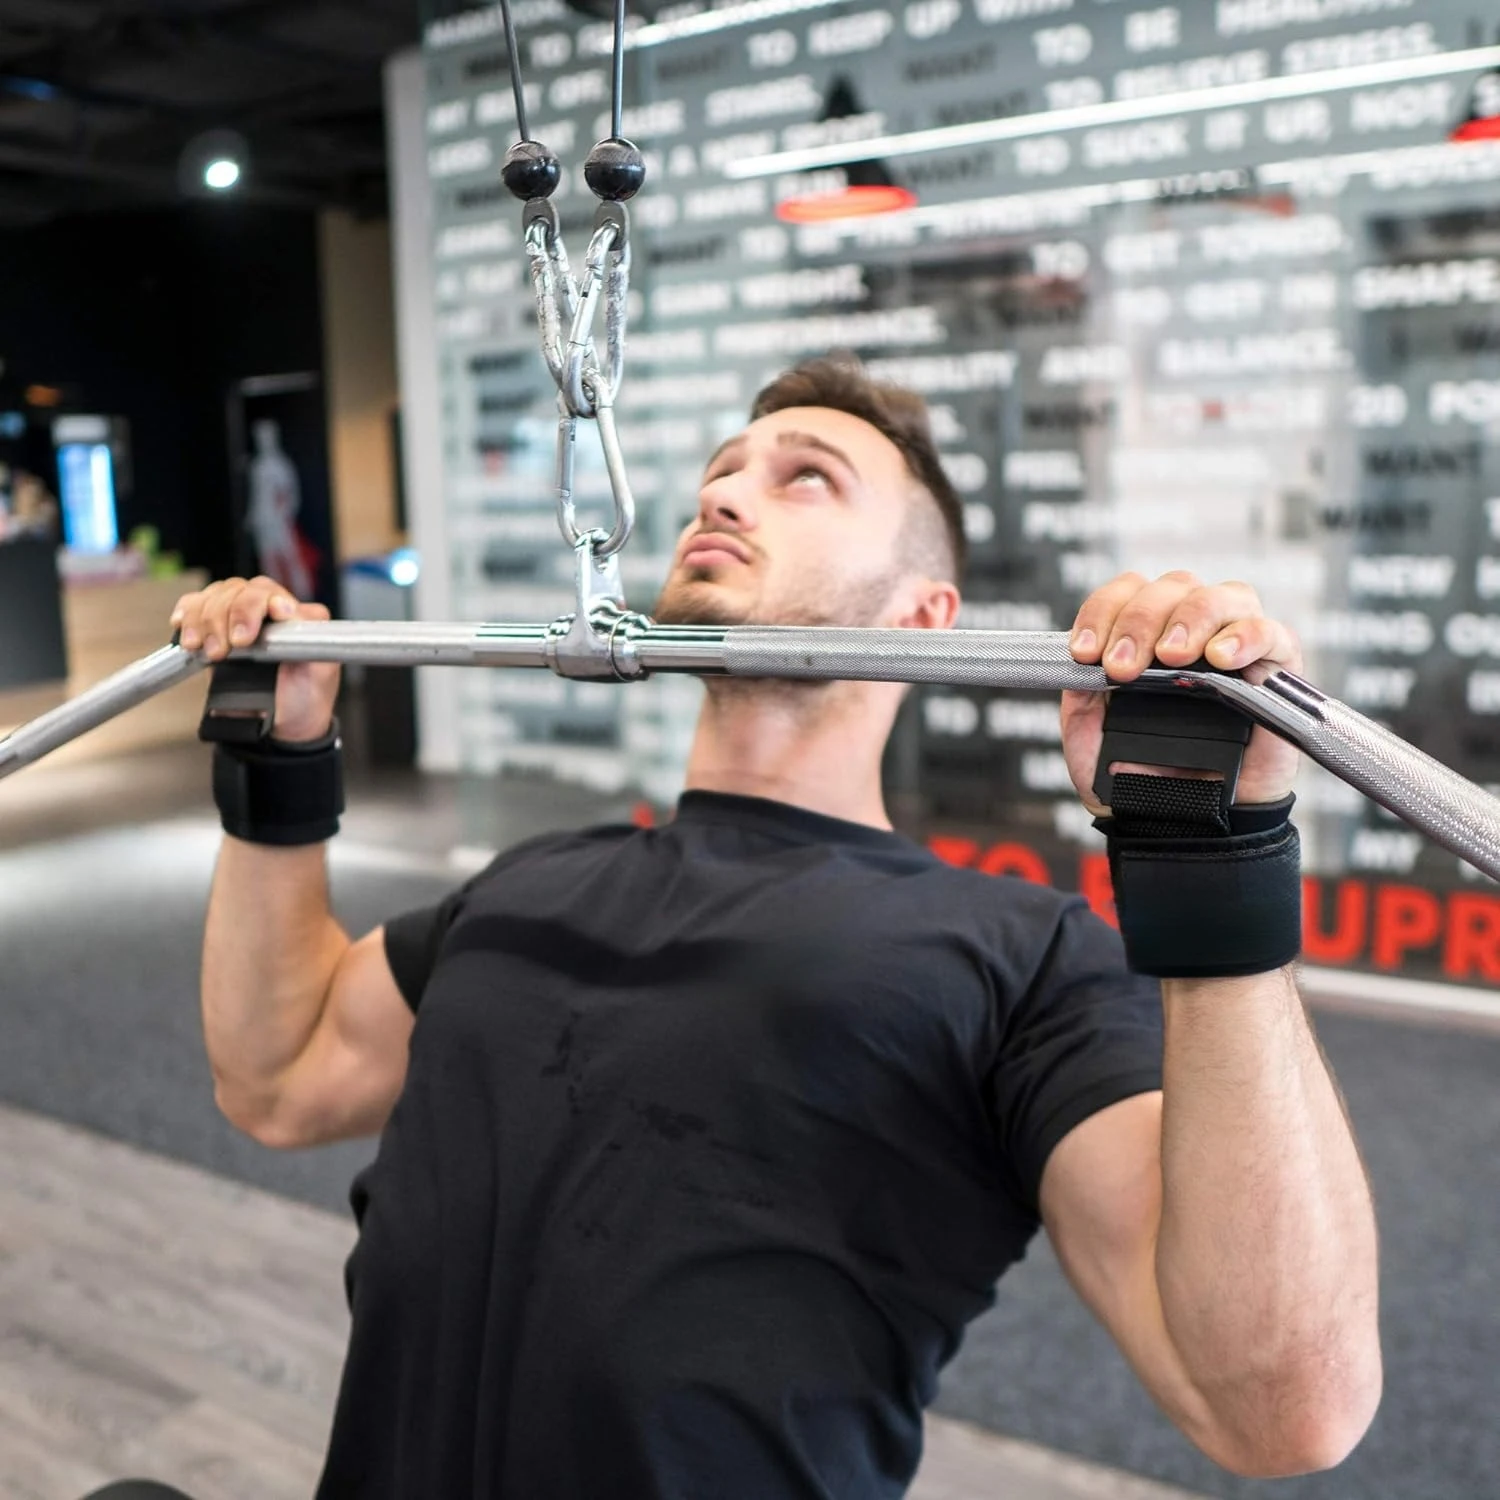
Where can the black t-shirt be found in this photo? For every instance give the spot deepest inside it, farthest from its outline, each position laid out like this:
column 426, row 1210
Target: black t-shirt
column 714, row 1137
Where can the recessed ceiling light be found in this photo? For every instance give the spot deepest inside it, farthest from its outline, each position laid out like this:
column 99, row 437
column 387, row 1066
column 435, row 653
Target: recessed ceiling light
column 221, row 173
column 212, row 162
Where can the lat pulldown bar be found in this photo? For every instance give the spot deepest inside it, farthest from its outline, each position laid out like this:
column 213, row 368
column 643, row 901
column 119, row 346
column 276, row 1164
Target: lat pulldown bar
column 616, row 644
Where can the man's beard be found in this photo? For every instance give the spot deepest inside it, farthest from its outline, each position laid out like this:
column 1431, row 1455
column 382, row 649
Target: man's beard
column 691, row 601
column 832, row 600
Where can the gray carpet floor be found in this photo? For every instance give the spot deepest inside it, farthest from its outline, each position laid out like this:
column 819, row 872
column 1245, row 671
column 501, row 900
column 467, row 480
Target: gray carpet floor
column 99, row 943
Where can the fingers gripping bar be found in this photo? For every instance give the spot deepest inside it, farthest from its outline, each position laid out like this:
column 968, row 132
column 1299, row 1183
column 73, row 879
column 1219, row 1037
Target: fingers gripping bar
column 614, row 643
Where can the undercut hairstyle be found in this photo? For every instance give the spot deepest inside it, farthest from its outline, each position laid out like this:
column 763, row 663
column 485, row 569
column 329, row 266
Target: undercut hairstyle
column 933, row 537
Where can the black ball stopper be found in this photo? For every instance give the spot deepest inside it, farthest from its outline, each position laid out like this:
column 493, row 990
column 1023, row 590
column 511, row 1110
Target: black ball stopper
column 615, row 170
column 530, row 170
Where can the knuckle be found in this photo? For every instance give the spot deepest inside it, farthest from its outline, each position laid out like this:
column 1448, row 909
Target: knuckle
column 1196, row 609
column 1180, row 575
column 1136, row 619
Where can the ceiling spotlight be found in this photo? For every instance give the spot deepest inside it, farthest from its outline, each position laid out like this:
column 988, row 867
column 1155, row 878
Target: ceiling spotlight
column 866, row 188
column 860, row 200
column 221, row 173
column 213, row 162
column 1483, row 122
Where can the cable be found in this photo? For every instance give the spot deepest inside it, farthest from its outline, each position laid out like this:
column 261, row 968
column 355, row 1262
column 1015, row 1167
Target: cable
column 513, row 57
column 617, row 102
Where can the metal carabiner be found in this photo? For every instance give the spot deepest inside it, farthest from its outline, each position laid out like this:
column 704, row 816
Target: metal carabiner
column 616, row 292
column 551, row 281
column 614, row 463
column 605, row 544
column 606, row 272
column 583, row 388
column 567, row 432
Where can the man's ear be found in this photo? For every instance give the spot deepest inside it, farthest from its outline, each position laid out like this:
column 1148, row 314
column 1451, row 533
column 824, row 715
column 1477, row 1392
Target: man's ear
column 926, row 604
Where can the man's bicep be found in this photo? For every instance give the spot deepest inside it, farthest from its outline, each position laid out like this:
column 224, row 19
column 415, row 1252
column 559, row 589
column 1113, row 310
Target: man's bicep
column 1101, row 1199
column 348, row 1078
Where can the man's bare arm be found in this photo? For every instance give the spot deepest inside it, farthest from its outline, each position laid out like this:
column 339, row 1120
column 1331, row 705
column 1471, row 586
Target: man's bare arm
column 306, row 1032
column 1222, row 1230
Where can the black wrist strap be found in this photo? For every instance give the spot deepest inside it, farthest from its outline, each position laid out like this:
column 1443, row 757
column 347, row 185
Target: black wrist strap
column 1203, row 888
column 267, row 791
column 286, row 795
column 241, row 704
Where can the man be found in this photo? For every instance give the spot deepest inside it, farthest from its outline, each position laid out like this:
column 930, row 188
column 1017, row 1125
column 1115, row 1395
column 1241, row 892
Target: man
column 708, row 1140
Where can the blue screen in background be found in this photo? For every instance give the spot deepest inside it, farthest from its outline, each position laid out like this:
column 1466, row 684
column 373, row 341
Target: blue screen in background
column 86, row 476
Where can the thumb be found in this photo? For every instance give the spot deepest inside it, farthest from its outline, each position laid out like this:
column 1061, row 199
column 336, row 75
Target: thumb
column 1083, row 735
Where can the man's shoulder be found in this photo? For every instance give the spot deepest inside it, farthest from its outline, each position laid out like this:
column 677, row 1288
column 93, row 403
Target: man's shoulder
column 1017, row 922
column 998, row 892
column 556, row 842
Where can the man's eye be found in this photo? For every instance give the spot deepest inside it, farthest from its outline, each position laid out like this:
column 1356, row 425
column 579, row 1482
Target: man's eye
column 811, row 471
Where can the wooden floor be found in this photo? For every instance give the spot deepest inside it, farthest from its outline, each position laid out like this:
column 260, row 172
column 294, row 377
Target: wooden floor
column 160, row 1322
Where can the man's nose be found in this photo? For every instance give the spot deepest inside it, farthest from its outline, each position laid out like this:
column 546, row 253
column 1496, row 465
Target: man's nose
column 727, row 503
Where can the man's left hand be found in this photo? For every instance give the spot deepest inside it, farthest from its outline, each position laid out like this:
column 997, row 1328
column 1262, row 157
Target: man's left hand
column 1177, row 620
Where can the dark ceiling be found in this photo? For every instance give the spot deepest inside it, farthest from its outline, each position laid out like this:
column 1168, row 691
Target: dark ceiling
column 99, row 98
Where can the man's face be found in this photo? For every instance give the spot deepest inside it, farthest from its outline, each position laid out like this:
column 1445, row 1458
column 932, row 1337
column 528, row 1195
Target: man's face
column 798, row 524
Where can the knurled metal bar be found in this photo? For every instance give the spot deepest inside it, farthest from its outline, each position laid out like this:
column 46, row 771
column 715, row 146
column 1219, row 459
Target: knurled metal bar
column 613, row 643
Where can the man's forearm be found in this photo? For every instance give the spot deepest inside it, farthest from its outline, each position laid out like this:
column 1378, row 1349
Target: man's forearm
column 270, row 949
column 1266, row 1260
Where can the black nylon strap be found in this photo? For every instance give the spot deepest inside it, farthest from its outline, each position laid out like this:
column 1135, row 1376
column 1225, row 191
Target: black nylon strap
column 286, row 795
column 1167, row 806
column 1179, row 730
column 1203, row 889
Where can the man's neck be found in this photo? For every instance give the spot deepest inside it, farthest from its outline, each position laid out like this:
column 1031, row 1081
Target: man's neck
column 817, row 747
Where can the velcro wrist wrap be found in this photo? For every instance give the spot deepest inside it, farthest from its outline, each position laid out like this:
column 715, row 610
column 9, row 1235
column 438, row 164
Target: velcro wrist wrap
column 274, row 793
column 1199, row 895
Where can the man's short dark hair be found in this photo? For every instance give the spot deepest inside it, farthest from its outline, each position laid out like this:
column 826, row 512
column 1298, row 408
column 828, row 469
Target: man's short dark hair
column 840, row 382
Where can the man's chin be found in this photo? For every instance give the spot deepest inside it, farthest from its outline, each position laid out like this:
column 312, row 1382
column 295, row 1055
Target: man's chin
column 697, row 603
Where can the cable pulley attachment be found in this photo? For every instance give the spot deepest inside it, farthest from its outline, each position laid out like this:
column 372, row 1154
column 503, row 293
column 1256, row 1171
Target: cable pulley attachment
column 568, row 310
column 531, row 171
column 615, row 170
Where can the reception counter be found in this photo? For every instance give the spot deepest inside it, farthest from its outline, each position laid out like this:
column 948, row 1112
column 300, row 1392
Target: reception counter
column 107, row 626
column 31, row 626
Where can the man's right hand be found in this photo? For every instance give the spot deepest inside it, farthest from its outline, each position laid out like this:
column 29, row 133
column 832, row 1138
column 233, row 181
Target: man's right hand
column 231, row 613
